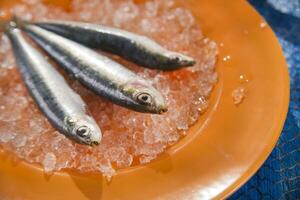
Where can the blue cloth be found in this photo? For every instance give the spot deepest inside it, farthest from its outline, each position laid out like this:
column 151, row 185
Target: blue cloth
column 279, row 177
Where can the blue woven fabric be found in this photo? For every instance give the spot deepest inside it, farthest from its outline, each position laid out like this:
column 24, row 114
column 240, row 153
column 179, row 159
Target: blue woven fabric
column 279, row 177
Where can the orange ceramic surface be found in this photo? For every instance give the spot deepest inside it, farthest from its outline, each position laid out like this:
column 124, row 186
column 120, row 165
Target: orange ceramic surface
column 220, row 153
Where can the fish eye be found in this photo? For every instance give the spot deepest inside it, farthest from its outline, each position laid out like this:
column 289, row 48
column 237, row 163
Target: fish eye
column 176, row 58
column 144, row 98
column 83, row 131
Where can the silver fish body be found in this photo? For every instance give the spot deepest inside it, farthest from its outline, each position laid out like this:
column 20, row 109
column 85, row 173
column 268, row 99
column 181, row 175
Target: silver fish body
column 99, row 73
column 139, row 49
column 64, row 108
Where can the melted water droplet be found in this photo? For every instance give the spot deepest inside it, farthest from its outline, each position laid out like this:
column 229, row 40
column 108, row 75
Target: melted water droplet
column 226, row 58
column 243, row 78
column 238, row 95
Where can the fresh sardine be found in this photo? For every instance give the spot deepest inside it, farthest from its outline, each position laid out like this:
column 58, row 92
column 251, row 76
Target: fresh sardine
column 139, row 49
column 64, row 108
column 99, row 73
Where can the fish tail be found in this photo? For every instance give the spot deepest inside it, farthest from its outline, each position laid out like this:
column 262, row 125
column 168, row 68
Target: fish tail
column 19, row 22
column 13, row 22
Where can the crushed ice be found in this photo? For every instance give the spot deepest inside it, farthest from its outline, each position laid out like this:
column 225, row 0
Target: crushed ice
column 128, row 137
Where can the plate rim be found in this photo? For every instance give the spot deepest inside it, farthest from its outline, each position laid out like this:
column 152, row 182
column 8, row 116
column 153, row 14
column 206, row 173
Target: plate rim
column 245, row 176
column 254, row 168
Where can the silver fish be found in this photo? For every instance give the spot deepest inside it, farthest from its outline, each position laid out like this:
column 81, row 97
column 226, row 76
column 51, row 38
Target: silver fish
column 139, row 49
column 64, row 108
column 99, row 73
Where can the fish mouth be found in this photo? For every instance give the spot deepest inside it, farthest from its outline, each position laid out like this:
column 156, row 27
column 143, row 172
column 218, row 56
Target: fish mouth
column 162, row 110
column 191, row 62
column 94, row 143
column 180, row 60
column 186, row 60
column 90, row 142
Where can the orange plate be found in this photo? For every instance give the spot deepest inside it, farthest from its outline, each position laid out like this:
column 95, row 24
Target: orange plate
column 221, row 152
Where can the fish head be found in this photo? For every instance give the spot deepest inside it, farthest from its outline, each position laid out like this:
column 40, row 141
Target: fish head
column 146, row 97
column 180, row 59
column 84, row 129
